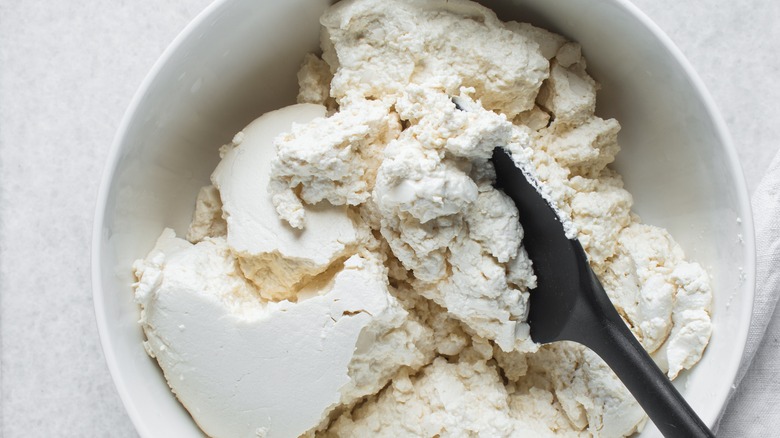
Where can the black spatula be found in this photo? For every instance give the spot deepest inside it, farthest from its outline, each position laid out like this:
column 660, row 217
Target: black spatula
column 569, row 304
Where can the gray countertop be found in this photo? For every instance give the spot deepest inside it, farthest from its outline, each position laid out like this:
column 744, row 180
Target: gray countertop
column 68, row 70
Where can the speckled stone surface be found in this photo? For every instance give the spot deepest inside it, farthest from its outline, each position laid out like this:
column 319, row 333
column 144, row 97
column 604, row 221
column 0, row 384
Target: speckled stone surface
column 68, row 70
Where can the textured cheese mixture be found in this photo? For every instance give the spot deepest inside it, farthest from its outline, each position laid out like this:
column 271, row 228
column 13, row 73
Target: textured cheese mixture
column 352, row 271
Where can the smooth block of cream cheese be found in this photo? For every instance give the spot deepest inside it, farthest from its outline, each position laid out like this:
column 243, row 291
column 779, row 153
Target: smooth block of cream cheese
column 272, row 254
column 242, row 366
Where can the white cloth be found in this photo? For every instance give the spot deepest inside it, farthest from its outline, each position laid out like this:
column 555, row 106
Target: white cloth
column 766, row 219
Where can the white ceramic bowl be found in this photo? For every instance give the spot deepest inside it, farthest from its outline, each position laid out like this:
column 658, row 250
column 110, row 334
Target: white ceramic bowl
column 238, row 59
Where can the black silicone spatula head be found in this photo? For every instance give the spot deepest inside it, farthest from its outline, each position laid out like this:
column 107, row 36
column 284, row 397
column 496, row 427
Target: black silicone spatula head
column 569, row 304
column 558, row 261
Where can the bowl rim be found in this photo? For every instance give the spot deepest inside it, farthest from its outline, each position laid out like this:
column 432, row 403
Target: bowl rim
column 726, row 145
column 107, row 177
column 731, row 369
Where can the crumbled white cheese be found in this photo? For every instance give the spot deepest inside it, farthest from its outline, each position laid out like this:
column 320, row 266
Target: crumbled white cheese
column 445, row 399
column 569, row 94
column 589, row 393
column 548, row 43
column 569, row 54
column 444, row 222
column 332, row 159
column 314, row 79
column 383, row 47
column 535, row 119
column 344, row 248
column 665, row 299
column 270, row 253
column 601, row 208
column 207, row 219
column 585, row 149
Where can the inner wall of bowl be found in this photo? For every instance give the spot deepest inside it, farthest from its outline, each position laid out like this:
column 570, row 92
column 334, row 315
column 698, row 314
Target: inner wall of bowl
column 236, row 61
column 239, row 60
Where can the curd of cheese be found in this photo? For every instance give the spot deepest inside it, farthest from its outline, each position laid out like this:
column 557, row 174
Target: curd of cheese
column 352, row 271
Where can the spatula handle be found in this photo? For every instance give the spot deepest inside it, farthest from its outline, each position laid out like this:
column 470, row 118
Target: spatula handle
column 570, row 304
column 636, row 369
